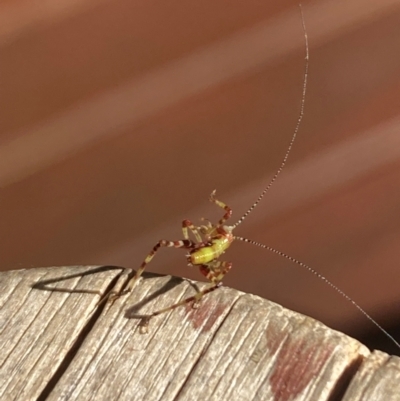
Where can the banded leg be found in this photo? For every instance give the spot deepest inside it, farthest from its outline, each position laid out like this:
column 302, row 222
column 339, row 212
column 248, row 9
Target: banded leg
column 212, row 271
column 186, row 243
column 112, row 295
column 145, row 319
column 215, row 270
column 228, row 210
column 187, row 224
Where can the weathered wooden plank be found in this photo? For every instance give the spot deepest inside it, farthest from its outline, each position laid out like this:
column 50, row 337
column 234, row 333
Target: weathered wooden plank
column 378, row 379
column 38, row 328
column 235, row 346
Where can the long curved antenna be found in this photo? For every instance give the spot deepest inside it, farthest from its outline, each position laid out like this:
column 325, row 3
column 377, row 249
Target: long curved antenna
column 323, row 278
column 303, row 98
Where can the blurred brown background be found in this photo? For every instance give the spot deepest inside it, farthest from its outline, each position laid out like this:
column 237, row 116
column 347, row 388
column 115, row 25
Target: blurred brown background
column 118, row 118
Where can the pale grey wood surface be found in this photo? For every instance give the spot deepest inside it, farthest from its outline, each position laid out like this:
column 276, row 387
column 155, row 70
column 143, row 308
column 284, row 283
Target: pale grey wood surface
column 377, row 379
column 63, row 346
column 39, row 327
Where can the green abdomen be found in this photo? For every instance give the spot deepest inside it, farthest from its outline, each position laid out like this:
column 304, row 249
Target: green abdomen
column 208, row 253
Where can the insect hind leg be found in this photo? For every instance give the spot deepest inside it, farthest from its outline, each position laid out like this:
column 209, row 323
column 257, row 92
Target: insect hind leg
column 112, row 295
column 186, row 244
column 214, row 271
column 145, row 319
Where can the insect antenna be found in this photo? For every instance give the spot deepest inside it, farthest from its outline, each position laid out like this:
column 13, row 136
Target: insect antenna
column 300, row 117
column 323, row 278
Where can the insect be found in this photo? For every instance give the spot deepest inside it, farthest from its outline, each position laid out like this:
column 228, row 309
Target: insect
column 213, row 239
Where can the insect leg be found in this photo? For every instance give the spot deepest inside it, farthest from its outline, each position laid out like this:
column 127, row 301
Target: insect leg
column 186, row 243
column 145, row 319
column 228, row 210
column 214, row 274
column 187, row 224
column 214, row 271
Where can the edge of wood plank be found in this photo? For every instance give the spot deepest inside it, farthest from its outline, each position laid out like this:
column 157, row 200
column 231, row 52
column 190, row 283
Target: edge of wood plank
column 60, row 344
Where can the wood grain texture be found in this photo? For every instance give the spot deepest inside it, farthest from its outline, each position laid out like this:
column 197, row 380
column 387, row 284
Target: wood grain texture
column 39, row 328
column 59, row 344
column 378, row 379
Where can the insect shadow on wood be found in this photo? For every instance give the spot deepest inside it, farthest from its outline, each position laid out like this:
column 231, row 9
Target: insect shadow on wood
column 132, row 312
column 46, row 285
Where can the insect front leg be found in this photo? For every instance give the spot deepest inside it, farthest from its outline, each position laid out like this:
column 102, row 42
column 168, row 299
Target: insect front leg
column 187, row 224
column 228, row 210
